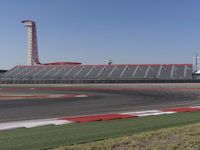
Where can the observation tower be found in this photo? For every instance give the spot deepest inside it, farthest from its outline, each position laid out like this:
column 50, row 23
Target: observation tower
column 33, row 58
column 32, row 42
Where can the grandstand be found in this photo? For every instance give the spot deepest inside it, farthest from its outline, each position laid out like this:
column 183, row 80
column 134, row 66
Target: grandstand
column 2, row 72
column 75, row 72
column 84, row 73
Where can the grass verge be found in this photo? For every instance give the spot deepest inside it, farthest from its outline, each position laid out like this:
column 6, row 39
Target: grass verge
column 179, row 138
column 48, row 137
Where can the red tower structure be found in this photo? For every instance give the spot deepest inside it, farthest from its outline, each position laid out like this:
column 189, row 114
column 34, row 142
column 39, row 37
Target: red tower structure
column 33, row 58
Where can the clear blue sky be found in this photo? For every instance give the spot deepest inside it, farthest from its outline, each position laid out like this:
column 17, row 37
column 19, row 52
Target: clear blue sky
column 93, row 31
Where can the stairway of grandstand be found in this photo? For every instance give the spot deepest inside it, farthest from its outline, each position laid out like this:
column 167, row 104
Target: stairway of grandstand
column 99, row 72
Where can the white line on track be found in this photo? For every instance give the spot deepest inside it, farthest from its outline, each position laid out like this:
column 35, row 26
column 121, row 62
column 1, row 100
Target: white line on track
column 56, row 95
column 195, row 107
column 81, row 96
column 148, row 113
column 32, row 123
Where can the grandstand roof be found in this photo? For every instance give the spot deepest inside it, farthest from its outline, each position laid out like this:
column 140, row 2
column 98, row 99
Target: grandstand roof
column 62, row 63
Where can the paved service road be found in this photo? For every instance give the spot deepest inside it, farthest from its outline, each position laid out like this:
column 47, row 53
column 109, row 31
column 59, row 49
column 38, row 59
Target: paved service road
column 99, row 101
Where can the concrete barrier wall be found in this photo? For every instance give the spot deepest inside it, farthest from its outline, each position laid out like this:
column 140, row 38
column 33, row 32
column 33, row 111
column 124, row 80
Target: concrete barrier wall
column 62, row 81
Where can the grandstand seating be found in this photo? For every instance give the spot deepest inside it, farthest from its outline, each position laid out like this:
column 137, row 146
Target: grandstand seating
column 100, row 72
column 153, row 71
column 2, row 72
column 140, row 73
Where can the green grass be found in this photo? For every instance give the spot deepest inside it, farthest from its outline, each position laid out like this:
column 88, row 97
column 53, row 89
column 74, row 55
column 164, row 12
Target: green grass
column 179, row 138
column 55, row 136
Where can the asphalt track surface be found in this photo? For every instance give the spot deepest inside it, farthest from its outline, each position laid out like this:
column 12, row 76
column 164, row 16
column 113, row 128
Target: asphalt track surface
column 98, row 102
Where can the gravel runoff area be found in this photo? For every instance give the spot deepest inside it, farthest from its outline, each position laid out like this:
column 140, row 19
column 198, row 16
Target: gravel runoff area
column 104, row 98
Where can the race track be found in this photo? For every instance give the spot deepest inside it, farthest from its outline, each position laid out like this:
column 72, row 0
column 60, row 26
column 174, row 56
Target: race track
column 98, row 101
